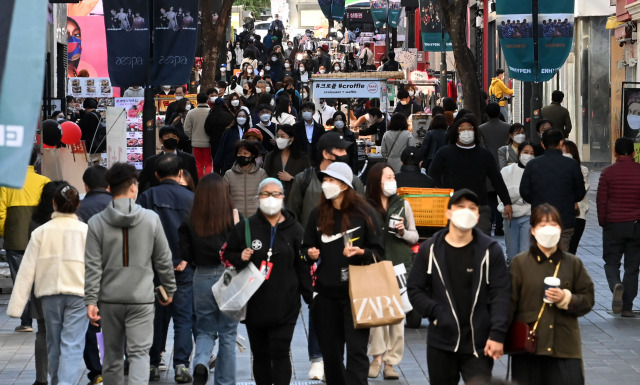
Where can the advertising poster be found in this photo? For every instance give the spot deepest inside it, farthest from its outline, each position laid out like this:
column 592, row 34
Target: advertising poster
column 394, row 13
column 174, row 40
column 133, row 121
column 90, row 87
column 86, row 46
column 431, row 25
column 348, row 89
column 631, row 111
column 517, row 37
column 379, row 12
column 127, row 36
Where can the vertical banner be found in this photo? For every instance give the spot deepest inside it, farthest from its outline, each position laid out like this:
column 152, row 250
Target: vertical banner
column 128, row 35
column 379, row 12
column 337, row 10
column 394, row 13
column 22, row 67
column 517, row 38
column 175, row 34
column 431, row 24
column 555, row 36
column 325, row 7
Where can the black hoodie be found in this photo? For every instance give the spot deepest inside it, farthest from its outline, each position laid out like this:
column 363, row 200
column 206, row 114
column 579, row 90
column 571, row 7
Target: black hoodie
column 277, row 301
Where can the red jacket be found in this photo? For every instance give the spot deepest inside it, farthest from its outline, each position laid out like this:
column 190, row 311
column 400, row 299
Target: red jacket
column 618, row 196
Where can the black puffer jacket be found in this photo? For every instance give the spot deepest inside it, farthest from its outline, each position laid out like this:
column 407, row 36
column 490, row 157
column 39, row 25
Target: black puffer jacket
column 277, row 301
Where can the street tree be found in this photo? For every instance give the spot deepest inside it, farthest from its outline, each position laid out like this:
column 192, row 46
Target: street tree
column 455, row 22
column 214, row 50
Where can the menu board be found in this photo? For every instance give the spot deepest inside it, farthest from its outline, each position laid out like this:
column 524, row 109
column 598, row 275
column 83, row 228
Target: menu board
column 134, row 127
column 90, row 87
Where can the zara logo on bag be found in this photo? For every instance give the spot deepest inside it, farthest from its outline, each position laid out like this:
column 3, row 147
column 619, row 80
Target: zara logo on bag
column 256, row 244
column 377, row 307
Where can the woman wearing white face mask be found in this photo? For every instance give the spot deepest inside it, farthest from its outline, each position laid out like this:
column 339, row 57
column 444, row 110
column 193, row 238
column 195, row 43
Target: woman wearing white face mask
column 516, row 231
column 341, row 231
column 558, row 355
column 508, row 154
column 286, row 160
column 235, row 104
column 386, row 343
column 273, row 310
column 395, row 140
column 463, row 163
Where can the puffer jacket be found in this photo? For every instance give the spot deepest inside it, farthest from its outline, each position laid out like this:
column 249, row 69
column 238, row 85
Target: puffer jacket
column 243, row 186
column 16, row 208
column 618, row 197
column 512, row 175
column 558, row 329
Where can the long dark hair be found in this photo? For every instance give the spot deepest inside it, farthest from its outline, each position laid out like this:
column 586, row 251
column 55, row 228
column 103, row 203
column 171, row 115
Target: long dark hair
column 573, row 150
column 541, row 213
column 352, row 205
column 67, row 199
column 374, row 186
column 44, row 209
column 212, row 211
column 453, row 130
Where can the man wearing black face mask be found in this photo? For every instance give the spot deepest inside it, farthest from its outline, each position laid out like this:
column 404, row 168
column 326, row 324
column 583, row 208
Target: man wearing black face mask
column 169, row 138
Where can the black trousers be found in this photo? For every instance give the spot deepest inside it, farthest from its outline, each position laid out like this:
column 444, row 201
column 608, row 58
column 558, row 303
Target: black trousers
column 578, row 230
column 620, row 239
column 91, row 352
column 531, row 369
column 446, row 367
column 270, row 348
column 334, row 326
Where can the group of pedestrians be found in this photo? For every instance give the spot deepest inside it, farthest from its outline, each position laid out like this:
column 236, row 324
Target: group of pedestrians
column 285, row 198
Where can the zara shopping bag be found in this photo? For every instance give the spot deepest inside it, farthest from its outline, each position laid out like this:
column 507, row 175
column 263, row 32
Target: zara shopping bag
column 375, row 296
column 235, row 287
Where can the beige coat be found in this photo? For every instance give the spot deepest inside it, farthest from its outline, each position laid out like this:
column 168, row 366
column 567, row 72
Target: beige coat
column 243, row 186
column 194, row 126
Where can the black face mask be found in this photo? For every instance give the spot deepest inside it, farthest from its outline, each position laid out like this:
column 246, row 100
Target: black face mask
column 170, row 144
column 341, row 158
column 245, row 91
column 244, row 160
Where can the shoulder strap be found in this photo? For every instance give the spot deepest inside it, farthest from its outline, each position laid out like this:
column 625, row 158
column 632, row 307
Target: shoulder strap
column 394, row 143
column 247, row 233
column 535, row 326
column 306, row 179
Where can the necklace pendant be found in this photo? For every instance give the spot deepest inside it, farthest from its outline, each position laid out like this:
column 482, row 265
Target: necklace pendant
column 269, row 253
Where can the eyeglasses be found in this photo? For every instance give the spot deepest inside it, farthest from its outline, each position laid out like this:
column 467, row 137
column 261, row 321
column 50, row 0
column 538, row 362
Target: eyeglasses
column 267, row 194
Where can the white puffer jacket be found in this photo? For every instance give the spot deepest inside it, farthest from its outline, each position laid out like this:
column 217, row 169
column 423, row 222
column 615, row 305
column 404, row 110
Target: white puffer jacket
column 512, row 175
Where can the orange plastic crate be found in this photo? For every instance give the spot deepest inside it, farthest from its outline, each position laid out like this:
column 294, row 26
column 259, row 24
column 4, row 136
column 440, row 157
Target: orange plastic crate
column 428, row 204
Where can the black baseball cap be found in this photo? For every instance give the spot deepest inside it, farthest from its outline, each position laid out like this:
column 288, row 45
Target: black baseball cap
column 331, row 140
column 464, row 193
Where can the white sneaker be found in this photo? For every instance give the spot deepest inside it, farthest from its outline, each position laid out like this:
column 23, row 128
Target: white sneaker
column 317, row 371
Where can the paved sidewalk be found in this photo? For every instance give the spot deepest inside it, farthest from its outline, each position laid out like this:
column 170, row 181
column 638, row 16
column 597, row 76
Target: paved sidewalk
column 611, row 345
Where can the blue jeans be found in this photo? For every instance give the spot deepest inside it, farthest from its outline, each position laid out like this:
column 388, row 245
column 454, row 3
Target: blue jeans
column 505, row 113
column 181, row 310
column 315, row 354
column 14, row 257
column 516, row 235
column 66, row 322
column 212, row 324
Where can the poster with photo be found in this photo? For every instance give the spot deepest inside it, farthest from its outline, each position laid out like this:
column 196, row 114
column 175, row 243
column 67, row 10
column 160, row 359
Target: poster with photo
column 90, row 87
column 133, row 111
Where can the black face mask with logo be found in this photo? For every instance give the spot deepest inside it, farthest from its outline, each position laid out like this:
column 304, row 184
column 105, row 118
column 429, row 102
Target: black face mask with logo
column 170, row 144
column 244, row 160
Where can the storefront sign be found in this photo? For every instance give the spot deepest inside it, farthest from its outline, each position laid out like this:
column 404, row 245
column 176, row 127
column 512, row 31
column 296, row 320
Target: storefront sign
column 348, row 88
column 90, row 87
column 133, row 112
column 555, row 28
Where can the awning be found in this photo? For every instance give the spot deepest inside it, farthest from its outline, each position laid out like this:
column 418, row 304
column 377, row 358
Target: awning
column 613, row 23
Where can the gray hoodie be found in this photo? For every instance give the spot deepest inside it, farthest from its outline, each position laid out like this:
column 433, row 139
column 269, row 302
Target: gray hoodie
column 125, row 246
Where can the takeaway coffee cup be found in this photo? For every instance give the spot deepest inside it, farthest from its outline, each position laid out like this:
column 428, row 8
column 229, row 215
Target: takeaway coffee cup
column 550, row 282
column 393, row 221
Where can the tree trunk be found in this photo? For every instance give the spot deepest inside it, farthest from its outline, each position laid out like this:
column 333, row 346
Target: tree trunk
column 214, row 49
column 455, row 21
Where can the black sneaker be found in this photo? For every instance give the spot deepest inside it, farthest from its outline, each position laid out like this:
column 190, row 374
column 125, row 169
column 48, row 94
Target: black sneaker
column 616, row 303
column 154, row 374
column 200, row 375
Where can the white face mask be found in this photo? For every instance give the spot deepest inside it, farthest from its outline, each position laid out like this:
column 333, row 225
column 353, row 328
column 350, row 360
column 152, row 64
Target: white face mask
column 321, row 71
column 568, row 155
column 519, row 138
column 274, row 58
column 287, row 65
column 178, row 97
column 270, row 206
column 267, row 68
column 188, row 106
column 307, row 115
column 241, row 121
column 235, row 102
column 213, row 99
column 330, row 190
column 466, row 137
column 250, row 71
column 267, row 89
column 282, row 143
column 634, row 121
column 390, row 188
column 336, row 68
column 301, row 69
column 464, row 219
column 525, row 158
column 265, row 118
column 258, row 90
column 339, row 124
column 304, row 95
column 548, row 236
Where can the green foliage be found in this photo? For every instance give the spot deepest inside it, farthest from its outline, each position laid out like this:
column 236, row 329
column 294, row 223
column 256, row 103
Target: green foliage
column 257, row 6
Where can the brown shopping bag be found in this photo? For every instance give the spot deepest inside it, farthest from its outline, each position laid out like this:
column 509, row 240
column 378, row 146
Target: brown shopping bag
column 375, row 296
